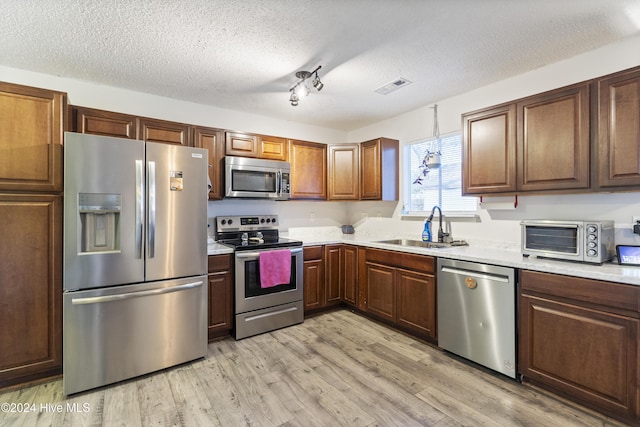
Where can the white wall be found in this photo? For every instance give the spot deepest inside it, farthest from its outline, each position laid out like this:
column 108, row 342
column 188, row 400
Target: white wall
column 504, row 225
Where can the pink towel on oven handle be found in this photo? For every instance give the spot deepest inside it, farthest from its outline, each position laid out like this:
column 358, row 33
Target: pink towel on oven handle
column 275, row 268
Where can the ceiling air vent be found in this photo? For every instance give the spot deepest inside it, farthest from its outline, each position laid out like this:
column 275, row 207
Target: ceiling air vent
column 393, row 85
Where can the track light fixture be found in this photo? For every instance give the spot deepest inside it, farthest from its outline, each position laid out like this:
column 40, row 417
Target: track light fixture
column 301, row 89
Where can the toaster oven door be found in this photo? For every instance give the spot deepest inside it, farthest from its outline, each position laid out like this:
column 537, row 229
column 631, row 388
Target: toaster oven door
column 551, row 239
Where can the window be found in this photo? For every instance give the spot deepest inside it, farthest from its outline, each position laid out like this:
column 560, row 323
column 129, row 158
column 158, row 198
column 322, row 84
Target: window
column 441, row 186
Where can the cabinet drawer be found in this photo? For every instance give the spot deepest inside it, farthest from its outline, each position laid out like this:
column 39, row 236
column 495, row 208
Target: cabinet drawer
column 414, row 262
column 622, row 298
column 220, row 262
column 313, row 252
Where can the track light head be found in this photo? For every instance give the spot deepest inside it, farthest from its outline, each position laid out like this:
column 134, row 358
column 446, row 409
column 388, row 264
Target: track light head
column 317, row 83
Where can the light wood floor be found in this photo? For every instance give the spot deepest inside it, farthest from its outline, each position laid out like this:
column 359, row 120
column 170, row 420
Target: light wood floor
column 334, row 369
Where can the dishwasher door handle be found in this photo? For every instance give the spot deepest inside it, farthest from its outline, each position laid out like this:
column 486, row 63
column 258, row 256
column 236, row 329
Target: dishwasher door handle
column 476, row 274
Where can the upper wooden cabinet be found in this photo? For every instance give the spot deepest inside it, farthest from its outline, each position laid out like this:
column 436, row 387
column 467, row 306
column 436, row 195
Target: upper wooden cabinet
column 32, row 123
column 212, row 140
column 308, row 170
column 619, row 130
column 344, row 172
column 153, row 130
column 553, row 140
column 241, row 144
column 273, row 147
column 535, row 144
column 489, row 150
column 379, row 164
column 107, row 123
column 261, row 146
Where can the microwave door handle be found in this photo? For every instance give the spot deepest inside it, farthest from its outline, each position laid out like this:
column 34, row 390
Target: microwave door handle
column 279, row 183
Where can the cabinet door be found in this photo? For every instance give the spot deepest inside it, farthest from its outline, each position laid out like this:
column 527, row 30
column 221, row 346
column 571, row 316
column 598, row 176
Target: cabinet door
column 379, row 169
column 333, row 275
column 416, row 302
column 344, row 172
column 211, row 139
column 220, row 295
column 313, row 278
column 619, row 130
column 273, row 147
column 31, row 131
column 489, row 151
column 381, row 291
column 587, row 354
column 553, row 140
column 241, row 144
column 30, row 287
column 107, row 123
column 350, row 275
column 152, row 130
column 308, row 170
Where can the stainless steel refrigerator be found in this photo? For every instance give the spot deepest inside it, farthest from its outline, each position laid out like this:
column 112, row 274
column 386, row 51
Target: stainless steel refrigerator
column 135, row 258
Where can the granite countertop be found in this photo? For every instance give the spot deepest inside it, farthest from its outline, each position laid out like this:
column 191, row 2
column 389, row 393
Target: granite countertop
column 218, row 249
column 496, row 253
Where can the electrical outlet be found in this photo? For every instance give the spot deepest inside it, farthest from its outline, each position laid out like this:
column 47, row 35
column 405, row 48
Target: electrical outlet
column 312, row 216
column 378, row 216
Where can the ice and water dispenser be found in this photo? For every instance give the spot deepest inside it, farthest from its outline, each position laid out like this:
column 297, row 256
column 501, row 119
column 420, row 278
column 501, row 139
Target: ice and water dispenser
column 99, row 222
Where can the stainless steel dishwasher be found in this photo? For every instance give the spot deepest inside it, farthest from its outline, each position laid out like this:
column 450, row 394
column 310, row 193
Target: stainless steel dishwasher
column 477, row 313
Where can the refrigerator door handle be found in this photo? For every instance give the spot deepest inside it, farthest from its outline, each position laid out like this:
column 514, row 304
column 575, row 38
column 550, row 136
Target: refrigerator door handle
column 120, row 297
column 139, row 207
column 152, row 209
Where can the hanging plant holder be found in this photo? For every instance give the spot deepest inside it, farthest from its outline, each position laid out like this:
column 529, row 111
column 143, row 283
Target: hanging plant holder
column 431, row 159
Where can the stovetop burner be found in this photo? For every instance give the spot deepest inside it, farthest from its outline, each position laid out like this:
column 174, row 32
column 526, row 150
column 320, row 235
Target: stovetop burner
column 251, row 232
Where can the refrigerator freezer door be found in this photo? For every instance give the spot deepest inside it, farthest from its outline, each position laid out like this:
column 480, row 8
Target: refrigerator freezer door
column 125, row 331
column 176, row 211
column 103, row 211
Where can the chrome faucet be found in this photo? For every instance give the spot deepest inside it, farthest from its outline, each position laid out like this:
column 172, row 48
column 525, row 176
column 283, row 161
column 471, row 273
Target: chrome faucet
column 441, row 233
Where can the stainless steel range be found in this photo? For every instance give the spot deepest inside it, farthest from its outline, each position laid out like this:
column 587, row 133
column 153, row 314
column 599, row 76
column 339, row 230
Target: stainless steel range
column 268, row 274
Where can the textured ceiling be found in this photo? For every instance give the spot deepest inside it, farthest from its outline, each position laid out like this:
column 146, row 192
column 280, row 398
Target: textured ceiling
column 243, row 54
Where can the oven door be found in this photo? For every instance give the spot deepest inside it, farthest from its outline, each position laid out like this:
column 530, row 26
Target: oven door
column 250, row 295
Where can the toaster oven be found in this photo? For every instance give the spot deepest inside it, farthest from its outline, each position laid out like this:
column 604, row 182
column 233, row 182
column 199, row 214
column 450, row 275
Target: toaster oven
column 581, row 241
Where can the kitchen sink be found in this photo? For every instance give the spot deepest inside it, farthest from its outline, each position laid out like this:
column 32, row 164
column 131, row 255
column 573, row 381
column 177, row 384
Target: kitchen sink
column 421, row 244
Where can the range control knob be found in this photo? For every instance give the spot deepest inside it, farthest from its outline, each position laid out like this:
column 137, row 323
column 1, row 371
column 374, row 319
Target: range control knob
column 273, row 220
column 230, row 222
column 262, row 220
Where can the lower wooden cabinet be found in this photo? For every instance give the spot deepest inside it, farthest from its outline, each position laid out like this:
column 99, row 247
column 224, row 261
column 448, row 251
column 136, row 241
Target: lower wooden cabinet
column 313, row 278
column 30, row 287
column 579, row 337
column 400, row 288
column 350, row 266
column 221, row 289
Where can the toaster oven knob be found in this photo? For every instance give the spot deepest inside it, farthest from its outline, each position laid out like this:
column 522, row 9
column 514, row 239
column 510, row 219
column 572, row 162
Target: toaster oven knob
column 592, row 244
column 592, row 252
column 593, row 237
column 591, row 229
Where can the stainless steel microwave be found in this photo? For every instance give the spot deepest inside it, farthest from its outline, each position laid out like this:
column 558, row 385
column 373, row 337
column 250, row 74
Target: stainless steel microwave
column 257, row 178
column 581, row 241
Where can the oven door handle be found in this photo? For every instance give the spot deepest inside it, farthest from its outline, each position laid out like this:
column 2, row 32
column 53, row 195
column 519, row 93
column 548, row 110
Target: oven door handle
column 245, row 255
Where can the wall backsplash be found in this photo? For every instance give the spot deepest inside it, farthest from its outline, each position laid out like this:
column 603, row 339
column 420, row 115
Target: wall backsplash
column 384, row 218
